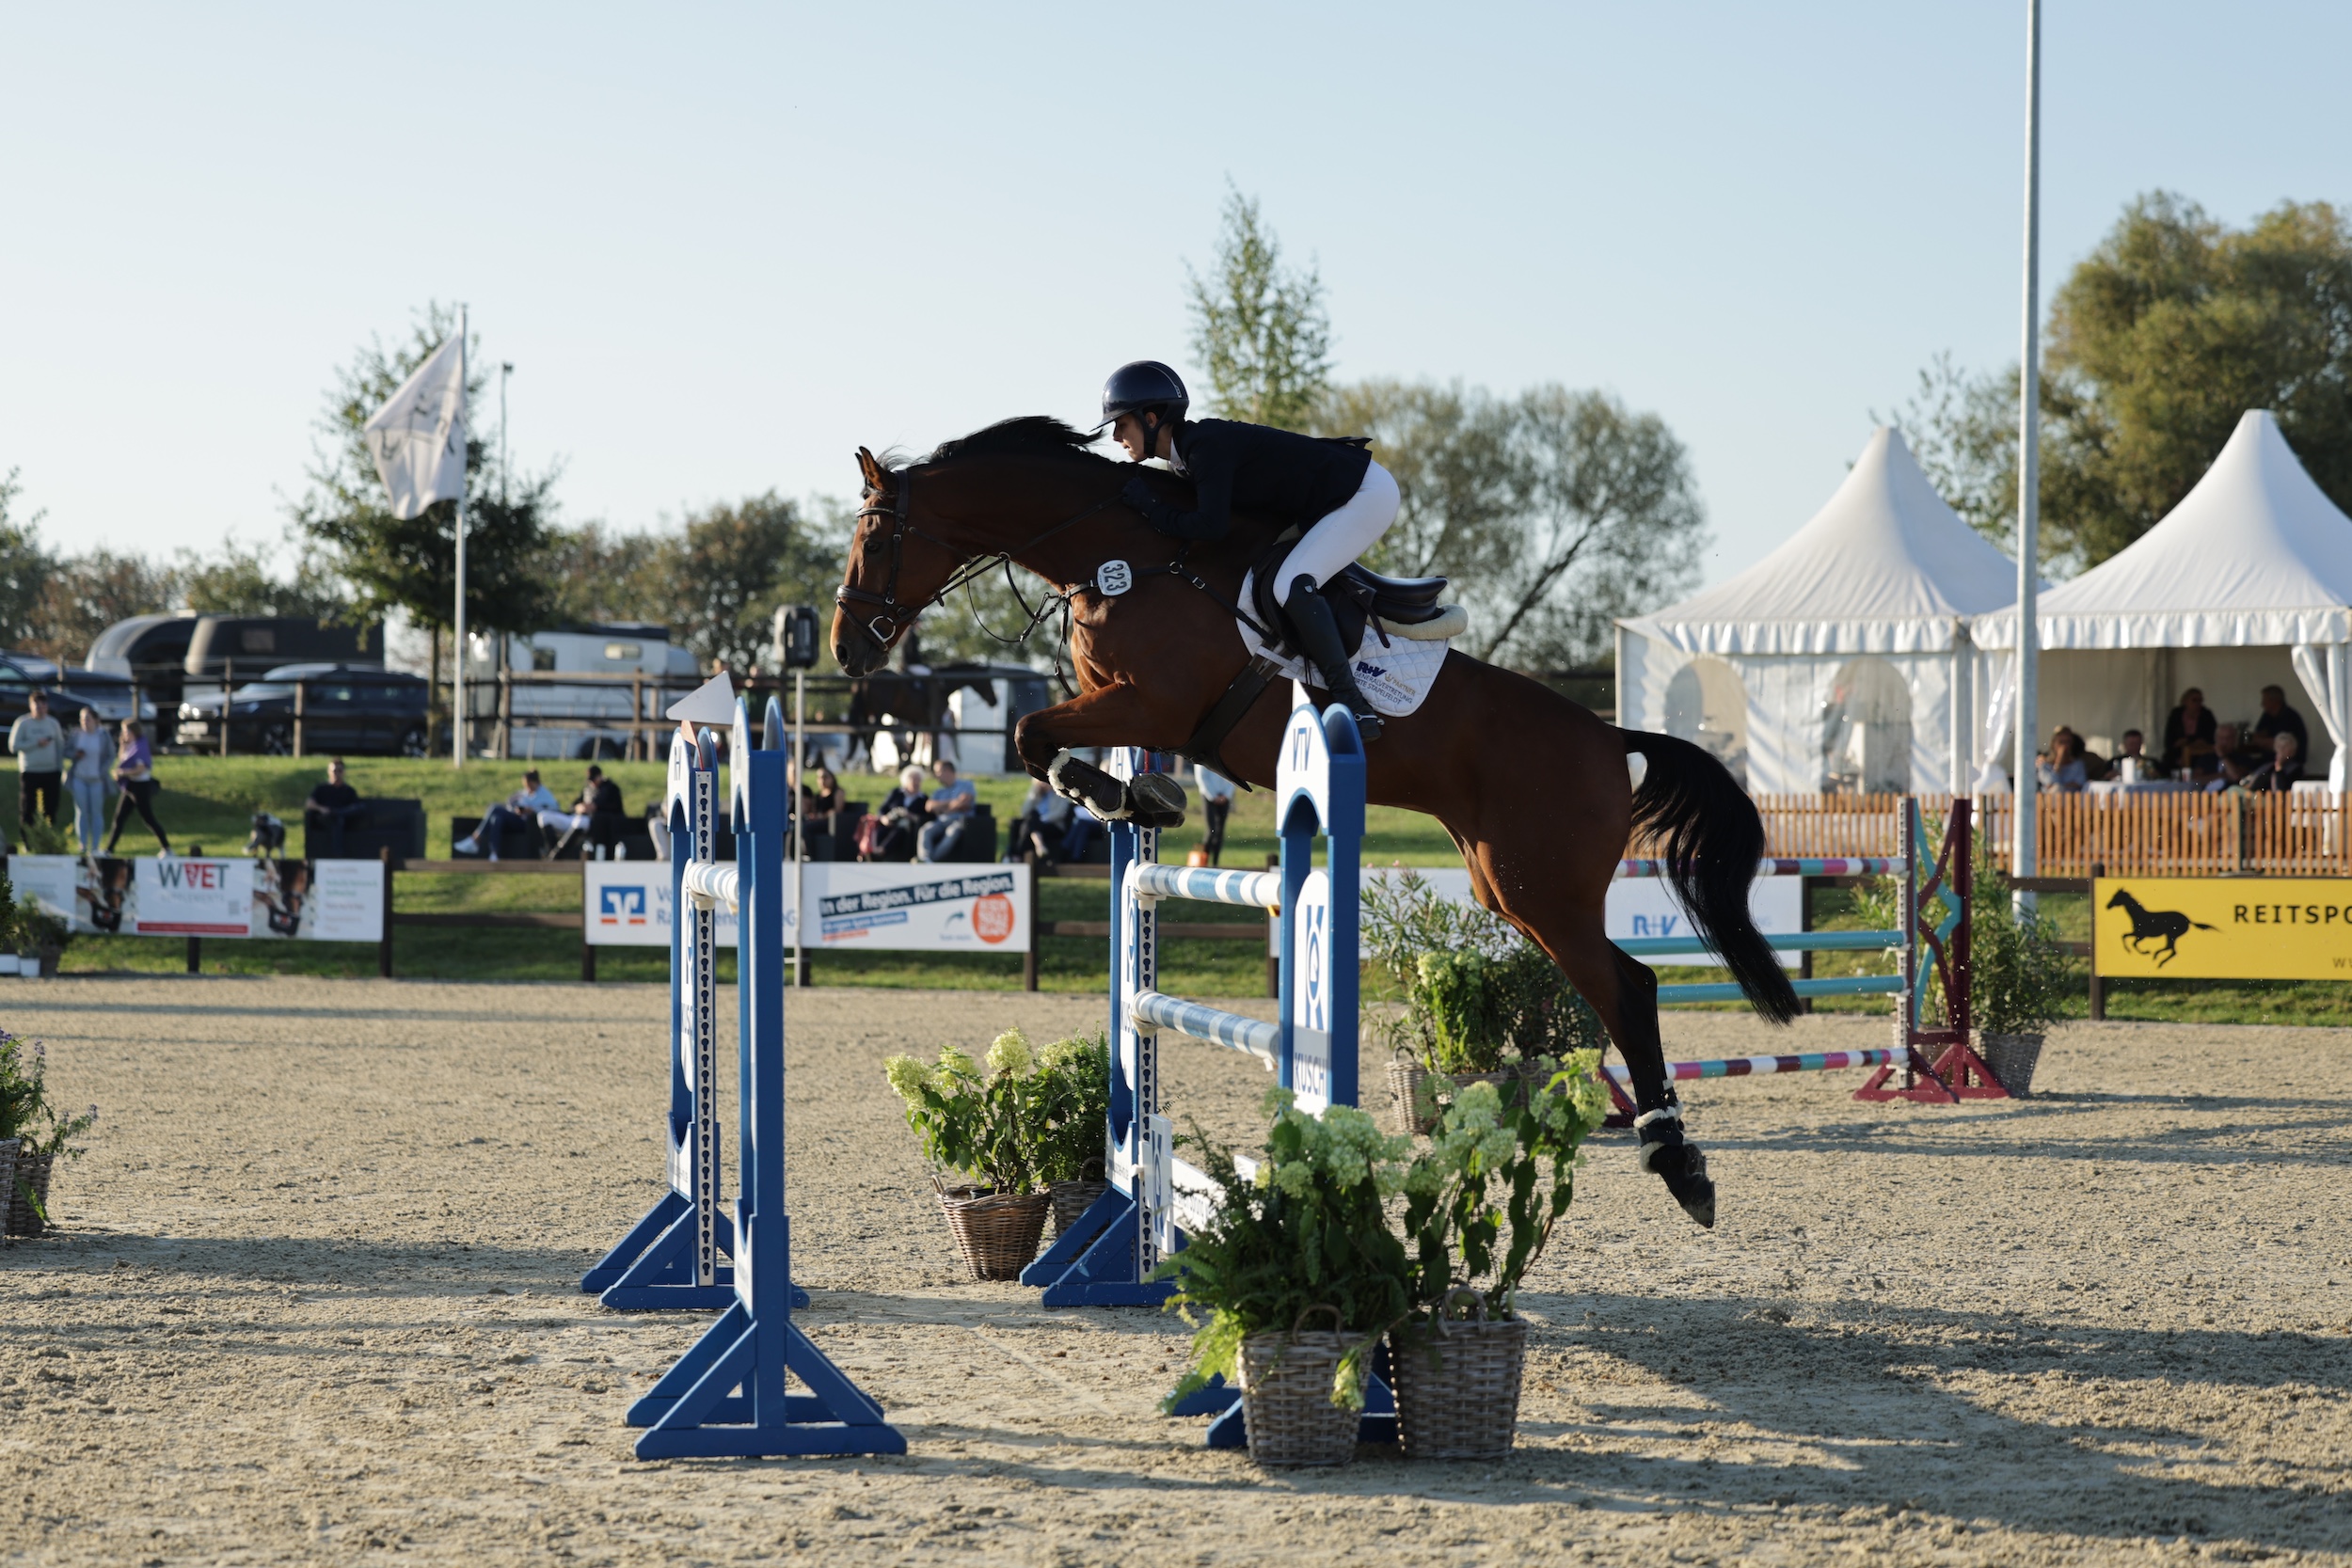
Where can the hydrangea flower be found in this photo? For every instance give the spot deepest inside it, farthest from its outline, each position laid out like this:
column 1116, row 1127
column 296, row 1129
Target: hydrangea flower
column 1009, row 1052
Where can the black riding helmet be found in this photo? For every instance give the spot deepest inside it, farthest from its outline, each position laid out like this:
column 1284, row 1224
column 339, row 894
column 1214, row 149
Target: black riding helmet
column 1147, row 388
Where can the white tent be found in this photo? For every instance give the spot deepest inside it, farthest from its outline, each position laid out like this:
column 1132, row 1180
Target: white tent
column 2245, row 583
column 1842, row 660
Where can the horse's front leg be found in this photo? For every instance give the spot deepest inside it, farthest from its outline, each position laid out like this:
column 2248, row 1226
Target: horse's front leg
column 1114, row 715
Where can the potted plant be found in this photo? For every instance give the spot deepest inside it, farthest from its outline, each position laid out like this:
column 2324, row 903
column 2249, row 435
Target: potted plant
column 1481, row 1202
column 1076, row 1107
column 1303, row 1240
column 1481, row 1002
column 2019, row 979
column 33, row 1133
column 984, row 1134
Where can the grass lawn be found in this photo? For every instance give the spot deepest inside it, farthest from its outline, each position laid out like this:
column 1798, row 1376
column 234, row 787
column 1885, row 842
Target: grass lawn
column 211, row 801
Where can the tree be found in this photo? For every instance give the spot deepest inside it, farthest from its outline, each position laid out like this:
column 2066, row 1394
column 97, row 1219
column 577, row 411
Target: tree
column 82, row 596
column 1260, row 331
column 411, row 565
column 2159, row 340
column 24, row 567
column 1450, row 452
column 240, row 582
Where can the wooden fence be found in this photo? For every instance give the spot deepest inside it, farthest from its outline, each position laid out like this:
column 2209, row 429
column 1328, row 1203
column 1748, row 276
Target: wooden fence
column 2131, row 835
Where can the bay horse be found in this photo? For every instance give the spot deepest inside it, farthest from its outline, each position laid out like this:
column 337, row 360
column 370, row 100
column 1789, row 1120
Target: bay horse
column 1535, row 789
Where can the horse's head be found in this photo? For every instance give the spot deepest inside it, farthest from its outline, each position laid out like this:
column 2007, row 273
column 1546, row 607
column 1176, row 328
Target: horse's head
column 897, row 569
column 2120, row 901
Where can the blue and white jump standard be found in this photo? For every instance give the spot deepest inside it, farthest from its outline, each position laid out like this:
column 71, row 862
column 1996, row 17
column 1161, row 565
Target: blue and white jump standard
column 726, row 1397
column 1107, row 1257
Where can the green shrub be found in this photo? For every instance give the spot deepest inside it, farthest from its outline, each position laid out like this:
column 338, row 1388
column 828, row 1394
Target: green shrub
column 1476, row 991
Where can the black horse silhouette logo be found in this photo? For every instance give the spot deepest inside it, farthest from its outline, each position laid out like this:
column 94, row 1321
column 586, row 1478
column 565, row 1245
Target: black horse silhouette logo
column 2169, row 925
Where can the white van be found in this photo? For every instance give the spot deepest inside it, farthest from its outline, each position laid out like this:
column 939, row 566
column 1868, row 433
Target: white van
column 590, row 719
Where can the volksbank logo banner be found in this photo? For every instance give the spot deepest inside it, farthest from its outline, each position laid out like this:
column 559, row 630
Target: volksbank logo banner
column 897, row 907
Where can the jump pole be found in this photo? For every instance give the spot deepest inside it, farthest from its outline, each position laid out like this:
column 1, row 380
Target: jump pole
column 726, row 1397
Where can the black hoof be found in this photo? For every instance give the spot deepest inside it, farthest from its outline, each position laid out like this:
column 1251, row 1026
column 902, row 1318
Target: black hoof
column 1684, row 1170
column 1156, row 801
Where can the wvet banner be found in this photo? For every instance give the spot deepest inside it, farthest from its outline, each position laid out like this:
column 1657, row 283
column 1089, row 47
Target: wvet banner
column 933, row 909
column 160, row 897
column 2223, row 928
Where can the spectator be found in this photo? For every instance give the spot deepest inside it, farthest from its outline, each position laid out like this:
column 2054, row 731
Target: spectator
column 2284, row 770
column 521, row 809
column 332, row 807
column 135, row 770
column 1028, row 841
column 2277, row 719
column 38, row 742
column 892, row 831
column 2232, row 761
column 2188, row 731
column 2132, row 762
column 2061, row 769
column 93, row 752
column 1217, row 803
column 599, row 797
column 826, row 797
column 951, row 806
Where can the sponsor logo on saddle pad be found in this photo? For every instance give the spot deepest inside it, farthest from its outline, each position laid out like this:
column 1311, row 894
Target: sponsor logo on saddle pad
column 2223, row 928
column 1114, row 578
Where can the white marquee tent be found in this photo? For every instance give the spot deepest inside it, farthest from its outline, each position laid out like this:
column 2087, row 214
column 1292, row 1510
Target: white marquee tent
column 2245, row 583
column 1842, row 660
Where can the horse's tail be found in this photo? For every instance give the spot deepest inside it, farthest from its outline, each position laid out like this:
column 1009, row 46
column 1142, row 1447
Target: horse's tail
column 1711, row 837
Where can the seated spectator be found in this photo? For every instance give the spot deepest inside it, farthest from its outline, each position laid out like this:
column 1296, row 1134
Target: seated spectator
column 2189, row 732
column 826, row 797
column 2277, row 720
column 1025, row 843
column 951, row 806
column 2132, row 764
column 332, row 806
column 2233, row 761
column 889, row 834
column 519, row 809
column 598, row 797
column 2284, row 770
column 2060, row 768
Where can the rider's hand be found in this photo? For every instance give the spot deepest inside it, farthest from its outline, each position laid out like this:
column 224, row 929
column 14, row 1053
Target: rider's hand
column 1136, row 493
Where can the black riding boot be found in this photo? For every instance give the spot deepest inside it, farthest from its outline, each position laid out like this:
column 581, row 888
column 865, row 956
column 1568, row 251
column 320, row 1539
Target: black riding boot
column 1319, row 640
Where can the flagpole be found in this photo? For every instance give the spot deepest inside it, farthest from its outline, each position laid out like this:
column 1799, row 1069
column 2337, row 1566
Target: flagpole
column 458, row 672
column 2022, row 863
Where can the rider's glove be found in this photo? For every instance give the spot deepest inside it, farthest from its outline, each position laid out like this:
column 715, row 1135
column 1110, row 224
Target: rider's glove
column 1138, row 494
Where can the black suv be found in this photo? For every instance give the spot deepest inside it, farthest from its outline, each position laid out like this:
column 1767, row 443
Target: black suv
column 345, row 707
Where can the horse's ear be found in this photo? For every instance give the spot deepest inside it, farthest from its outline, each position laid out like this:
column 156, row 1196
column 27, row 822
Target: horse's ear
column 871, row 469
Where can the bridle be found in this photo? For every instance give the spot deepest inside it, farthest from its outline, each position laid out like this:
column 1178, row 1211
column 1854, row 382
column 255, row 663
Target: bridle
column 892, row 617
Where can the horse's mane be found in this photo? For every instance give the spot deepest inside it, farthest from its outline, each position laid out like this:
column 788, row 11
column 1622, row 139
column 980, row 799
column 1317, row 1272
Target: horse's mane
column 1031, row 434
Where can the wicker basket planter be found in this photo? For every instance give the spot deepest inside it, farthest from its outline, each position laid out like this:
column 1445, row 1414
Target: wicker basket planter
column 2012, row 1058
column 1457, row 1384
column 8, row 1176
column 997, row 1233
column 29, row 1170
column 1413, row 1088
column 1072, row 1199
column 1286, row 1395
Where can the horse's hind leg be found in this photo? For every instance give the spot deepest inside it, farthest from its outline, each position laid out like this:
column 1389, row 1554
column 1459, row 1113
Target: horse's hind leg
column 1624, row 992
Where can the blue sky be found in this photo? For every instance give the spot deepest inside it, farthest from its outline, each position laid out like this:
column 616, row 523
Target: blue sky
column 726, row 245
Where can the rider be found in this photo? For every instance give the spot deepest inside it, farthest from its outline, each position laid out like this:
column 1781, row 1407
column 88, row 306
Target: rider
column 1334, row 486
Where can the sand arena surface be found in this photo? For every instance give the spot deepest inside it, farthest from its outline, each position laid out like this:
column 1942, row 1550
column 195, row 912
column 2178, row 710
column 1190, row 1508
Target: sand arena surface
column 316, row 1302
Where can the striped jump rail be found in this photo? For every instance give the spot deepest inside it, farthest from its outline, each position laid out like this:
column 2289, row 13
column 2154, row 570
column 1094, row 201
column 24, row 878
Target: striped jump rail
column 1758, row 1066
column 1834, row 866
column 1258, row 1036
column 1786, row 942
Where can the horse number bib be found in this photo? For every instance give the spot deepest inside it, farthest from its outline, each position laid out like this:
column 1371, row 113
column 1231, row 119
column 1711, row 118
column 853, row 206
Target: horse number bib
column 1114, row 578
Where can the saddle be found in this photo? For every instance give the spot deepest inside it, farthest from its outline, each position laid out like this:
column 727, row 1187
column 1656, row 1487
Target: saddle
column 1357, row 595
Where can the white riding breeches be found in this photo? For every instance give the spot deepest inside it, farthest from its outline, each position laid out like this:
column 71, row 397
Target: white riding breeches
column 1343, row 535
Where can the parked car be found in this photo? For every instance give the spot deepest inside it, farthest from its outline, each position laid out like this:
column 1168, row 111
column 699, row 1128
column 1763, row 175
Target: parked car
column 109, row 694
column 18, row 684
column 345, row 707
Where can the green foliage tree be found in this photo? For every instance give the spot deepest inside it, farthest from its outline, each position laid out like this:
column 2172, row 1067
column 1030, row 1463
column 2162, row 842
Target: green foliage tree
column 1260, row 330
column 84, row 595
column 241, row 581
column 24, row 567
column 392, row 563
column 2160, row 340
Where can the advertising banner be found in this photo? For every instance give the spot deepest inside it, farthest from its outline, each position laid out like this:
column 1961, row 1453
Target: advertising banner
column 302, row 900
column 2223, row 928
column 970, row 909
column 1645, row 907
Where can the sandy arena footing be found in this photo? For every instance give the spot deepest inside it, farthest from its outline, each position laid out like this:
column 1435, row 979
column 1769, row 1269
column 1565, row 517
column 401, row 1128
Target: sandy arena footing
column 316, row 1296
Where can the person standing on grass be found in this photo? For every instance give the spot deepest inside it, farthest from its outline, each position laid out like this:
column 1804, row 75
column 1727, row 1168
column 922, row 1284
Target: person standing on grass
column 135, row 770
column 1216, row 804
column 93, row 752
column 38, row 742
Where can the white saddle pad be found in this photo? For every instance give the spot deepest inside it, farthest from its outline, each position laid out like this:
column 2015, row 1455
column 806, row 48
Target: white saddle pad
column 1396, row 678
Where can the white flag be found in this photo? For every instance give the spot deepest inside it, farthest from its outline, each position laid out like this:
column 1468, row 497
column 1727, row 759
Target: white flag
column 418, row 439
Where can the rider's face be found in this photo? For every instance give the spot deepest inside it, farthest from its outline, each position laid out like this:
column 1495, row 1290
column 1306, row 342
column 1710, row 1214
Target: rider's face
column 1128, row 433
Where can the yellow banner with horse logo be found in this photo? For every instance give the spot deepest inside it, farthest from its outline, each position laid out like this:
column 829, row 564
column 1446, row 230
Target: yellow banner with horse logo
column 2223, row 928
